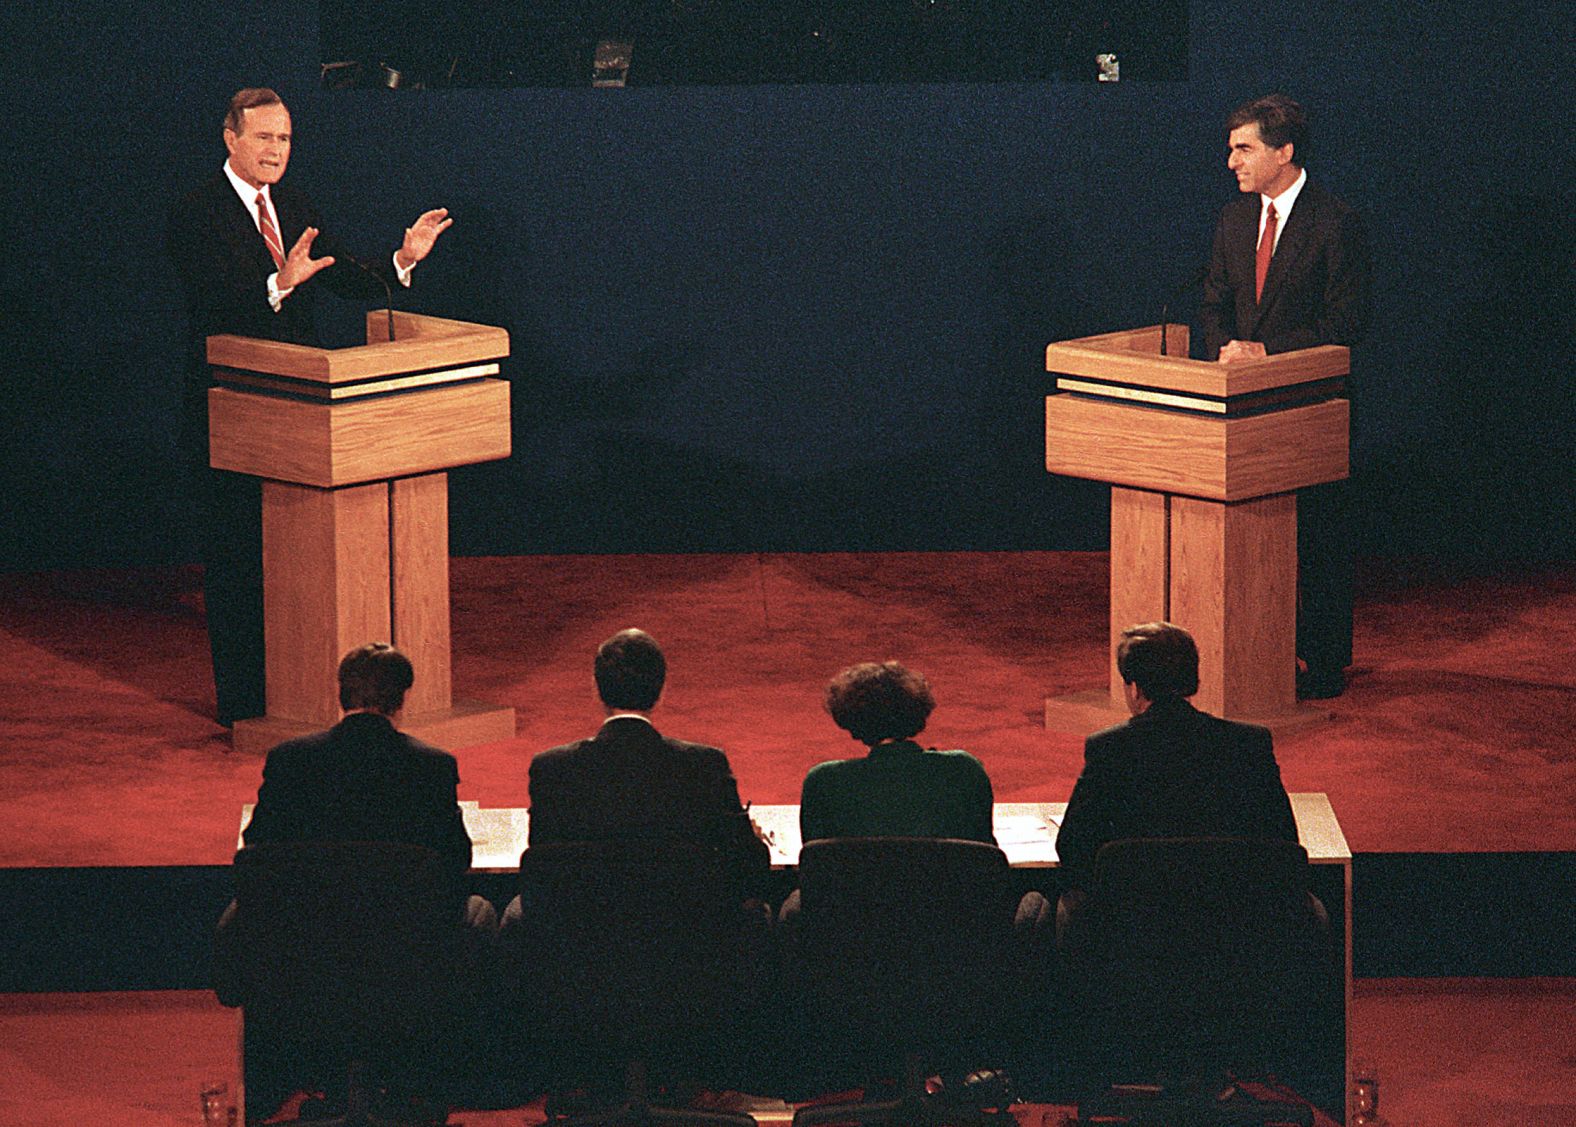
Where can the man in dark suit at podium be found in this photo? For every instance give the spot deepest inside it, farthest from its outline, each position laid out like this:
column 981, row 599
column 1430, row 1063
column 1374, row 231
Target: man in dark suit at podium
column 1289, row 270
column 251, row 254
column 1169, row 770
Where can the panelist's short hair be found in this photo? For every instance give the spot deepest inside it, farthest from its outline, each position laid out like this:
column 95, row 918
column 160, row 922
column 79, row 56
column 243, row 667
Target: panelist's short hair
column 879, row 701
column 630, row 671
column 1281, row 121
column 248, row 99
column 1160, row 658
column 375, row 676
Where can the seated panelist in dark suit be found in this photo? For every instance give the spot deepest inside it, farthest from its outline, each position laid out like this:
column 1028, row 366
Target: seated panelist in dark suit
column 629, row 781
column 899, row 789
column 1288, row 270
column 1169, row 770
column 252, row 253
column 364, row 780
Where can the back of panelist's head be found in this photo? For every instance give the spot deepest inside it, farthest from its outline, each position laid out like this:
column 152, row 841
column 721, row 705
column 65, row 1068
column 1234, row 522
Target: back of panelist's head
column 630, row 671
column 374, row 678
column 875, row 701
column 1160, row 658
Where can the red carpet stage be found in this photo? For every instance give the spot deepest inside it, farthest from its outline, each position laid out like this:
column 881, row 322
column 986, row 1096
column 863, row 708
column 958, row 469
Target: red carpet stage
column 1448, row 761
column 1454, row 737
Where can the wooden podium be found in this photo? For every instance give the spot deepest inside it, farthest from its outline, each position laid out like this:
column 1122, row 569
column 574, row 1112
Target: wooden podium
column 1204, row 461
column 352, row 445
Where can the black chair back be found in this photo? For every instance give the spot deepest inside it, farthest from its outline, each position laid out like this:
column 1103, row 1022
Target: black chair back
column 1193, row 955
column 347, row 953
column 906, row 945
column 636, row 948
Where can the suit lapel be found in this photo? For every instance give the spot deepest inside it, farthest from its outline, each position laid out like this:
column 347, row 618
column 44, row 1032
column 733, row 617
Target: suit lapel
column 291, row 220
column 1293, row 240
column 240, row 228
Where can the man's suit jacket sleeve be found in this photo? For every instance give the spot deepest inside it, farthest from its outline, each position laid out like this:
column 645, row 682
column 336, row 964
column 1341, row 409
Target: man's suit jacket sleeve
column 1085, row 822
column 982, row 803
column 815, row 818
column 545, row 798
column 223, row 274
column 1271, row 798
column 1217, row 311
column 457, row 850
column 753, row 855
column 277, row 799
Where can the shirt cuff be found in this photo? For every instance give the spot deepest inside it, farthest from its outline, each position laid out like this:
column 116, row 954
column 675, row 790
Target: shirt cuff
column 276, row 296
column 403, row 274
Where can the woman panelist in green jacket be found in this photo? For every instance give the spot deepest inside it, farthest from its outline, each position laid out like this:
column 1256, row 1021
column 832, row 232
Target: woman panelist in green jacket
column 899, row 789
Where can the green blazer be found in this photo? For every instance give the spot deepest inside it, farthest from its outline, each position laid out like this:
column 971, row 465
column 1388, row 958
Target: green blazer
column 898, row 790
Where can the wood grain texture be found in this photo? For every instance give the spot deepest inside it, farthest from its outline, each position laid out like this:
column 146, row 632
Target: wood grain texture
column 465, row 724
column 348, row 443
column 419, row 541
column 325, row 591
column 1217, row 459
column 1133, row 356
column 1234, row 588
column 421, row 342
column 1284, row 450
column 1140, row 569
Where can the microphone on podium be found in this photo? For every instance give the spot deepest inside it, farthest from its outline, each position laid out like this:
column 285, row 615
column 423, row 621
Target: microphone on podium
column 388, row 290
column 1194, row 280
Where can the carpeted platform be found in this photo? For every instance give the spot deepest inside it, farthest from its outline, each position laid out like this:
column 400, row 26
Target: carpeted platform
column 1449, row 760
column 1455, row 735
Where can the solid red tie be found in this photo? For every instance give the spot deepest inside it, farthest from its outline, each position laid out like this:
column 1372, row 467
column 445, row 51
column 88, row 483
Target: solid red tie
column 277, row 247
column 1266, row 252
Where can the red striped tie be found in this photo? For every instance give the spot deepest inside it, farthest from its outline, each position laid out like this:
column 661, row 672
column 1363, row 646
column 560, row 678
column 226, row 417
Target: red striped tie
column 1266, row 252
column 277, row 248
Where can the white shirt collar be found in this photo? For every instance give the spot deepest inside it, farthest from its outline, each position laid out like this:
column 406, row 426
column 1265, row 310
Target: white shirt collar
column 628, row 716
column 248, row 193
column 1285, row 201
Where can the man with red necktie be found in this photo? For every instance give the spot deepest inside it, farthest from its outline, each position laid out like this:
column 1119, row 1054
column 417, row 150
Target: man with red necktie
column 1289, row 270
column 251, row 253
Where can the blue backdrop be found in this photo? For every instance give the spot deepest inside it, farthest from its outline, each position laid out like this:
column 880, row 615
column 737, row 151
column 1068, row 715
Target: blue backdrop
column 806, row 317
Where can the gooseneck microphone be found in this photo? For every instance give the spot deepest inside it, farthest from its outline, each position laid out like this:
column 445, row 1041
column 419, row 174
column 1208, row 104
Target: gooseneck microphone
column 388, row 290
column 1194, row 280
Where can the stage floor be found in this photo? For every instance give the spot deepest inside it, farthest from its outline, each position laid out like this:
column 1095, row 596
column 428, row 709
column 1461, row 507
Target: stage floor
column 1454, row 736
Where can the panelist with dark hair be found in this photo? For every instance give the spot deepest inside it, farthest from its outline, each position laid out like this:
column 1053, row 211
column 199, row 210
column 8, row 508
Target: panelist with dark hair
column 363, row 780
column 630, row 781
column 899, row 789
column 1169, row 770
column 1289, row 270
column 243, row 244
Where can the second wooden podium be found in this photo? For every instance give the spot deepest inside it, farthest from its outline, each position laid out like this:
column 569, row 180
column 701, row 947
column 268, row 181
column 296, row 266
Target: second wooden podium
column 352, row 445
column 1204, row 462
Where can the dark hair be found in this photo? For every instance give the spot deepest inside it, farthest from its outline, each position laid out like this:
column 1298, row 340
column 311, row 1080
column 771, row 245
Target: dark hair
column 874, row 702
column 630, row 670
column 1161, row 659
column 1281, row 121
column 248, row 99
column 374, row 676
